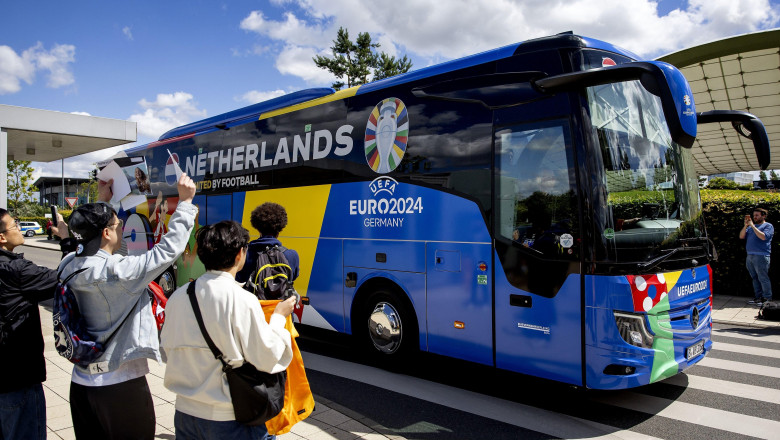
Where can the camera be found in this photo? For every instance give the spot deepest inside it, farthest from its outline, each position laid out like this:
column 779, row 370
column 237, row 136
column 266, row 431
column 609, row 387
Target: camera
column 290, row 291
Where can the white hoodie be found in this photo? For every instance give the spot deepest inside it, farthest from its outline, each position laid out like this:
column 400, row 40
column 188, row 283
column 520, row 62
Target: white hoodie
column 236, row 323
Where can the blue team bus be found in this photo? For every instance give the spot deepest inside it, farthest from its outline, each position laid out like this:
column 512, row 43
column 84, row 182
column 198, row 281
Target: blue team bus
column 532, row 208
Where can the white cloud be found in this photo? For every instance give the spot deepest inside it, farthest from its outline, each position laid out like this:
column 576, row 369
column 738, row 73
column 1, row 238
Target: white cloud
column 168, row 111
column 128, row 32
column 291, row 30
column 297, row 60
column 57, row 62
column 13, row 70
column 255, row 96
column 80, row 113
column 431, row 31
column 76, row 166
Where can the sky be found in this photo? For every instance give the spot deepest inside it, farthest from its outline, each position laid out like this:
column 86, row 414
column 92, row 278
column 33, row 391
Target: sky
column 163, row 64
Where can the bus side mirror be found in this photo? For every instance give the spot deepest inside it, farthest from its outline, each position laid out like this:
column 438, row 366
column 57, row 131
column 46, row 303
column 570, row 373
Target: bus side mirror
column 742, row 121
column 659, row 78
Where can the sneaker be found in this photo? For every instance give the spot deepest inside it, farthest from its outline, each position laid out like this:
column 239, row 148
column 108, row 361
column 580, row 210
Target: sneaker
column 755, row 301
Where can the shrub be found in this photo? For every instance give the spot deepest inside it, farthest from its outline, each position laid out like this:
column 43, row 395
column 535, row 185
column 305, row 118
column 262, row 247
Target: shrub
column 724, row 212
column 721, row 183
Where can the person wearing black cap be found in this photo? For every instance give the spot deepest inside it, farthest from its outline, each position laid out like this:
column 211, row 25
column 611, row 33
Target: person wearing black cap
column 110, row 398
column 23, row 284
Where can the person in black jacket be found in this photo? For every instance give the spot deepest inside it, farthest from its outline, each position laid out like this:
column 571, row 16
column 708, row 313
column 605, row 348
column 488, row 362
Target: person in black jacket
column 23, row 369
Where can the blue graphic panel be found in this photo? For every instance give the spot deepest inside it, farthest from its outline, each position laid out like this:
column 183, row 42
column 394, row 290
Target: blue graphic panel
column 238, row 207
column 459, row 301
column 399, row 211
column 218, row 208
column 326, row 285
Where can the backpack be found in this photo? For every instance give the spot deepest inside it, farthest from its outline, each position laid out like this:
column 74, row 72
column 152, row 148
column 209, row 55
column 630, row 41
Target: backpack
column 272, row 276
column 71, row 338
column 770, row 311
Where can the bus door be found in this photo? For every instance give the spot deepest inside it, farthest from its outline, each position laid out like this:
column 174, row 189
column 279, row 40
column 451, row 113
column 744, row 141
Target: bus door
column 538, row 295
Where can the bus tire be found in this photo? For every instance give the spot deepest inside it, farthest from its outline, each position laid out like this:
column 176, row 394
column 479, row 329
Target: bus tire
column 167, row 282
column 387, row 326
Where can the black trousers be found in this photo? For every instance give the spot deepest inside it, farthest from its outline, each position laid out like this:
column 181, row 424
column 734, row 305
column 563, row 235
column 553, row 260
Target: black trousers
column 121, row 411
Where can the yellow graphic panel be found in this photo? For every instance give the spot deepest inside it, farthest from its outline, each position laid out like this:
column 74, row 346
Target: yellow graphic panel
column 341, row 94
column 305, row 208
column 671, row 279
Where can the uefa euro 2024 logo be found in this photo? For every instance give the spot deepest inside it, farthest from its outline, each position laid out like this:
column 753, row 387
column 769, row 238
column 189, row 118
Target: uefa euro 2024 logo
column 387, row 133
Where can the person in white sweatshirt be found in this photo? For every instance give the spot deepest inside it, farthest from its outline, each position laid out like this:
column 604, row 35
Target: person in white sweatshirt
column 236, row 323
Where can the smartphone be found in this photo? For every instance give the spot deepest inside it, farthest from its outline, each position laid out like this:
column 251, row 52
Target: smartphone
column 54, row 215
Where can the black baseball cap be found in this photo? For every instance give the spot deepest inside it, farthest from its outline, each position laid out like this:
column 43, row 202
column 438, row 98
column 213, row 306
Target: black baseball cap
column 86, row 224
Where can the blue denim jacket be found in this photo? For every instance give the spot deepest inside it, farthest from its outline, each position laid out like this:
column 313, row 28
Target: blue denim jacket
column 113, row 288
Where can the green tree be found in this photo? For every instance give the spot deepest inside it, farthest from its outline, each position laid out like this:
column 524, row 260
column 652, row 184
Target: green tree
column 88, row 191
column 20, row 184
column 772, row 175
column 358, row 62
column 762, row 176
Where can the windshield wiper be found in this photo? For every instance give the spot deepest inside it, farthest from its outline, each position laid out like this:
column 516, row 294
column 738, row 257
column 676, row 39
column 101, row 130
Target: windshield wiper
column 657, row 260
column 705, row 243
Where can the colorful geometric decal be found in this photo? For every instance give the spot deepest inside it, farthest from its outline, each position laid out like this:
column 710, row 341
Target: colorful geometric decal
column 387, row 133
column 647, row 290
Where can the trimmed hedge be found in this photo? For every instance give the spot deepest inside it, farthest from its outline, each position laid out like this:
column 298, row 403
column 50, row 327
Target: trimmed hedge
column 724, row 213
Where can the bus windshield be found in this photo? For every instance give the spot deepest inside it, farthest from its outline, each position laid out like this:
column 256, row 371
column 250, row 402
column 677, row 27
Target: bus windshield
column 647, row 196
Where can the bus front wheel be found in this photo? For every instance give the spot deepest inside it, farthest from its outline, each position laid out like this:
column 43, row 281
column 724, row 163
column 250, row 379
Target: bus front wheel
column 389, row 326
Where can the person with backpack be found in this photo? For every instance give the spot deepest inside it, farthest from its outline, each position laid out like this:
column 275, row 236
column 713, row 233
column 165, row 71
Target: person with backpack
column 23, row 284
column 110, row 397
column 269, row 219
column 235, row 322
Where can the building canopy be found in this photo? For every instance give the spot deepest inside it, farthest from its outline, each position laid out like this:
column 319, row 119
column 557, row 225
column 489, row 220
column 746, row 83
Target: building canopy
column 737, row 73
column 45, row 136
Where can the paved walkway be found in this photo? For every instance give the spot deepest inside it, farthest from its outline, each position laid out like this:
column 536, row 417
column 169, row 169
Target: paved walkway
column 329, row 420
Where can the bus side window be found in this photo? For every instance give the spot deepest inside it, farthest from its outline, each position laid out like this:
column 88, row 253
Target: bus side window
column 536, row 206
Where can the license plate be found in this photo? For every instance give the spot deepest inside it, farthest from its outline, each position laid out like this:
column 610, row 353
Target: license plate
column 694, row 350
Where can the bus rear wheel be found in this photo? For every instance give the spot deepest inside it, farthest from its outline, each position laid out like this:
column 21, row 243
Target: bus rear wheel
column 389, row 328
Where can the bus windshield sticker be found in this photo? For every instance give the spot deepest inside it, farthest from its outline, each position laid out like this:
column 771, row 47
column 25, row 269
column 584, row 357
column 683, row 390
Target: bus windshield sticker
column 567, row 241
column 387, row 132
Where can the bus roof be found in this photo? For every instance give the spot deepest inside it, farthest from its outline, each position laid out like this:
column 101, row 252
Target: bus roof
column 559, row 41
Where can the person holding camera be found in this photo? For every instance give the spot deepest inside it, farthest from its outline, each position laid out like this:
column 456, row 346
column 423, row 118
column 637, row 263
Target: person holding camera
column 235, row 322
column 23, row 284
column 758, row 235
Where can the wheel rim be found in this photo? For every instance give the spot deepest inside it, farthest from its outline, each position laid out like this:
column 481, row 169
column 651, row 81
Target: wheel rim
column 384, row 328
column 167, row 283
column 30, row 233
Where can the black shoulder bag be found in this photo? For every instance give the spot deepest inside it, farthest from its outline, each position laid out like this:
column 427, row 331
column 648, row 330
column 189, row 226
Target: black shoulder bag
column 257, row 396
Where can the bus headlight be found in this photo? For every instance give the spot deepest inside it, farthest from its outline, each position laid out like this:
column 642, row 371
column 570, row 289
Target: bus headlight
column 633, row 330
